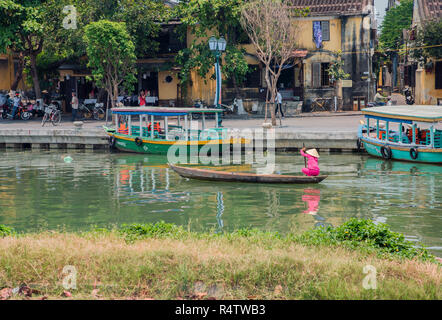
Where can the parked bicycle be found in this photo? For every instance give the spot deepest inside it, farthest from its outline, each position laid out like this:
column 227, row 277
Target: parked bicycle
column 85, row 112
column 52, row 114
column 322, row 104
column 98, row 112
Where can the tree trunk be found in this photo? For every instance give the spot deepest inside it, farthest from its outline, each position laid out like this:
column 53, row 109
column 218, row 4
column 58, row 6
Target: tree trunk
column 19, row 73
column 115, row 95
column 273, row 97
column 34, row 76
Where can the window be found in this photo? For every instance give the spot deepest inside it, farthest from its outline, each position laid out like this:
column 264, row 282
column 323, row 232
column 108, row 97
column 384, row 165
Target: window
column 325, row 77
column 325, row 30
column 320, row 76
column 253, row 77
column 251, row 80
column 438, row 69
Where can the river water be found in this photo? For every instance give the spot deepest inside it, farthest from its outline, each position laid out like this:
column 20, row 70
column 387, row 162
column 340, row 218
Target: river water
column 40, row 191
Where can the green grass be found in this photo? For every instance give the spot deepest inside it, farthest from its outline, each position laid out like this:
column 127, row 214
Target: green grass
column 165, row 261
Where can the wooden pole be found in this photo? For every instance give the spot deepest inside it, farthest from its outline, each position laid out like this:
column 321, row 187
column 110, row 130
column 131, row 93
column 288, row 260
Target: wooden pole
column 305, row 160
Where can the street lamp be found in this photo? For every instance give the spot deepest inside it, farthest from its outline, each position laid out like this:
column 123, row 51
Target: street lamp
column 218, row 46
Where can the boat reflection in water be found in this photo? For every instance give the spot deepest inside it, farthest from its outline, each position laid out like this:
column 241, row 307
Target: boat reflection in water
column 312, row 197
column 219, row 212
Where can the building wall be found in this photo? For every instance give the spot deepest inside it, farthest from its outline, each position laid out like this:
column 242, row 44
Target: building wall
column 305, row 33
column 357, row 56
column 5, row 72
column 425, row 92
column 348, row 34
column 167, row 90
column 7, row 75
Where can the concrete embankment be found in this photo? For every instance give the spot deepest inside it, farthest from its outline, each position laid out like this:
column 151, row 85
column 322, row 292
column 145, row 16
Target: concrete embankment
column 90, row 138
column 95, row 138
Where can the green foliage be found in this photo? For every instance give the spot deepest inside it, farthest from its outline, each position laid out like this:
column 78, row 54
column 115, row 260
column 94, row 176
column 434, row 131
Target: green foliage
column 396, row 19
column 336, row 69
column 204, row 18
column 6, row 231
column 429, row 36
column 160, row 229
column 361, row 233
column 111, row 55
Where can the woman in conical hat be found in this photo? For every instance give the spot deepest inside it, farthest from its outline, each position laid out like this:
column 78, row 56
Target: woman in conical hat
column 312, row 165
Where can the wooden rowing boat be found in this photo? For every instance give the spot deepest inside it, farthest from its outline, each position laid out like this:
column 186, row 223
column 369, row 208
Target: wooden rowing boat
column 214, row 175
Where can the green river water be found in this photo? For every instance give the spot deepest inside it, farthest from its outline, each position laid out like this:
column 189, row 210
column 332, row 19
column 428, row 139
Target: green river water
column 40, row 191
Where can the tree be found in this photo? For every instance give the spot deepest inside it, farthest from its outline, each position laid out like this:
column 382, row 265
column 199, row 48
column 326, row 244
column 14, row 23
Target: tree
column 428, row 41
column 396, row 19
column 111, row 55
column 272, row 30
column 22, row 25
column 337, row 73
column 205, row 18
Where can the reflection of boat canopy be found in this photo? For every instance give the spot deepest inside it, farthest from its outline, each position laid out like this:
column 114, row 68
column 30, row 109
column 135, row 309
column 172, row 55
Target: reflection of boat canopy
column 412, row 144
column 406, row 113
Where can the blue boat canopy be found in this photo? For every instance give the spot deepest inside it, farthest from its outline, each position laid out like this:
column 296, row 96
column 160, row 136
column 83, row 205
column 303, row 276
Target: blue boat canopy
column 162, row 111
column 406, row 114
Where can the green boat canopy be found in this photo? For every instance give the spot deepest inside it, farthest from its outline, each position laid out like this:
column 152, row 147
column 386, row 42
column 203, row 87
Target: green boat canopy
column 161, row 111
column 424, row 113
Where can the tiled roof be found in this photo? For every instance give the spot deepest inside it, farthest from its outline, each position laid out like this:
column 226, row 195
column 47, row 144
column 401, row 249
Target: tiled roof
column 334, row 7
column 430, row 9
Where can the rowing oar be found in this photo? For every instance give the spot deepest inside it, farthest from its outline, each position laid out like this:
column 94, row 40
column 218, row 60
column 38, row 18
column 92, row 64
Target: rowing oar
column 305, row 160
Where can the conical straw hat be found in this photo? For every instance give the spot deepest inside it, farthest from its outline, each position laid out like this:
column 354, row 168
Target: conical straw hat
column 313, row 153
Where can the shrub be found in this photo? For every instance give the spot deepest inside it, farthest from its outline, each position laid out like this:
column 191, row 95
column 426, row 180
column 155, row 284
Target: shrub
column 5, row 231
column 365, row 233
column 151, row 230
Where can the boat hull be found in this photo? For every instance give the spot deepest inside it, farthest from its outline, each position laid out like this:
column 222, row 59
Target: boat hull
column 213, row 175
column 425, row 155
column 156, row 146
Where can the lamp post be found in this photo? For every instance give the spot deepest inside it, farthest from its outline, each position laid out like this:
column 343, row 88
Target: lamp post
column 218, row 46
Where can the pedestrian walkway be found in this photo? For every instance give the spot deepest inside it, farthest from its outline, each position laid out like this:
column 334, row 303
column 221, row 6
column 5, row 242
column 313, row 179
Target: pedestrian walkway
column 310, row 122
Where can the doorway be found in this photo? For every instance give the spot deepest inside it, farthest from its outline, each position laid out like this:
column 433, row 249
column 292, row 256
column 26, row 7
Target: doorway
column 298, row 90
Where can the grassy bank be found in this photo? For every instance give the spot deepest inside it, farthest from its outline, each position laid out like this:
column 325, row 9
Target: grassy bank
column 164, row 261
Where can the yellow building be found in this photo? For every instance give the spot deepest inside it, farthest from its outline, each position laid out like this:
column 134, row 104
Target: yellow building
column 8, row 65
column 427, row 82
column 348, row 26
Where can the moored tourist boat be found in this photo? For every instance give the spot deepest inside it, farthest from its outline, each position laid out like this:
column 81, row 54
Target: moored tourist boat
column 416, row 137
column 139, row 129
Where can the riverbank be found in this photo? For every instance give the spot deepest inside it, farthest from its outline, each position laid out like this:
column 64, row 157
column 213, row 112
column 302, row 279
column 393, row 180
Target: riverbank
column 326, row 132
column 164, row 261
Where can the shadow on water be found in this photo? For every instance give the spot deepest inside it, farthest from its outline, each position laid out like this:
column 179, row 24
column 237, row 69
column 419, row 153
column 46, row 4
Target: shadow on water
column 39, row 190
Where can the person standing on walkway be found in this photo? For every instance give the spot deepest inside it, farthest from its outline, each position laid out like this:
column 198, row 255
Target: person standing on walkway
column 16, row 104
column 142, row 99
column 74, row 104
column 312, row 165
column 278, row 101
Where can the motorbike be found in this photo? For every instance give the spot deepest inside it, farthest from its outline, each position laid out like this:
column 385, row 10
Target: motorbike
column 24, row 111
column 375, row 104
column 38, row 109
column 6, row 106
column 408, row 96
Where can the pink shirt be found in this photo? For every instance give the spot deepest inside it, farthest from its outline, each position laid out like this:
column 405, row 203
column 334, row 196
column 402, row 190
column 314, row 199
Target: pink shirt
column 142, row 101
column 312, row 163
